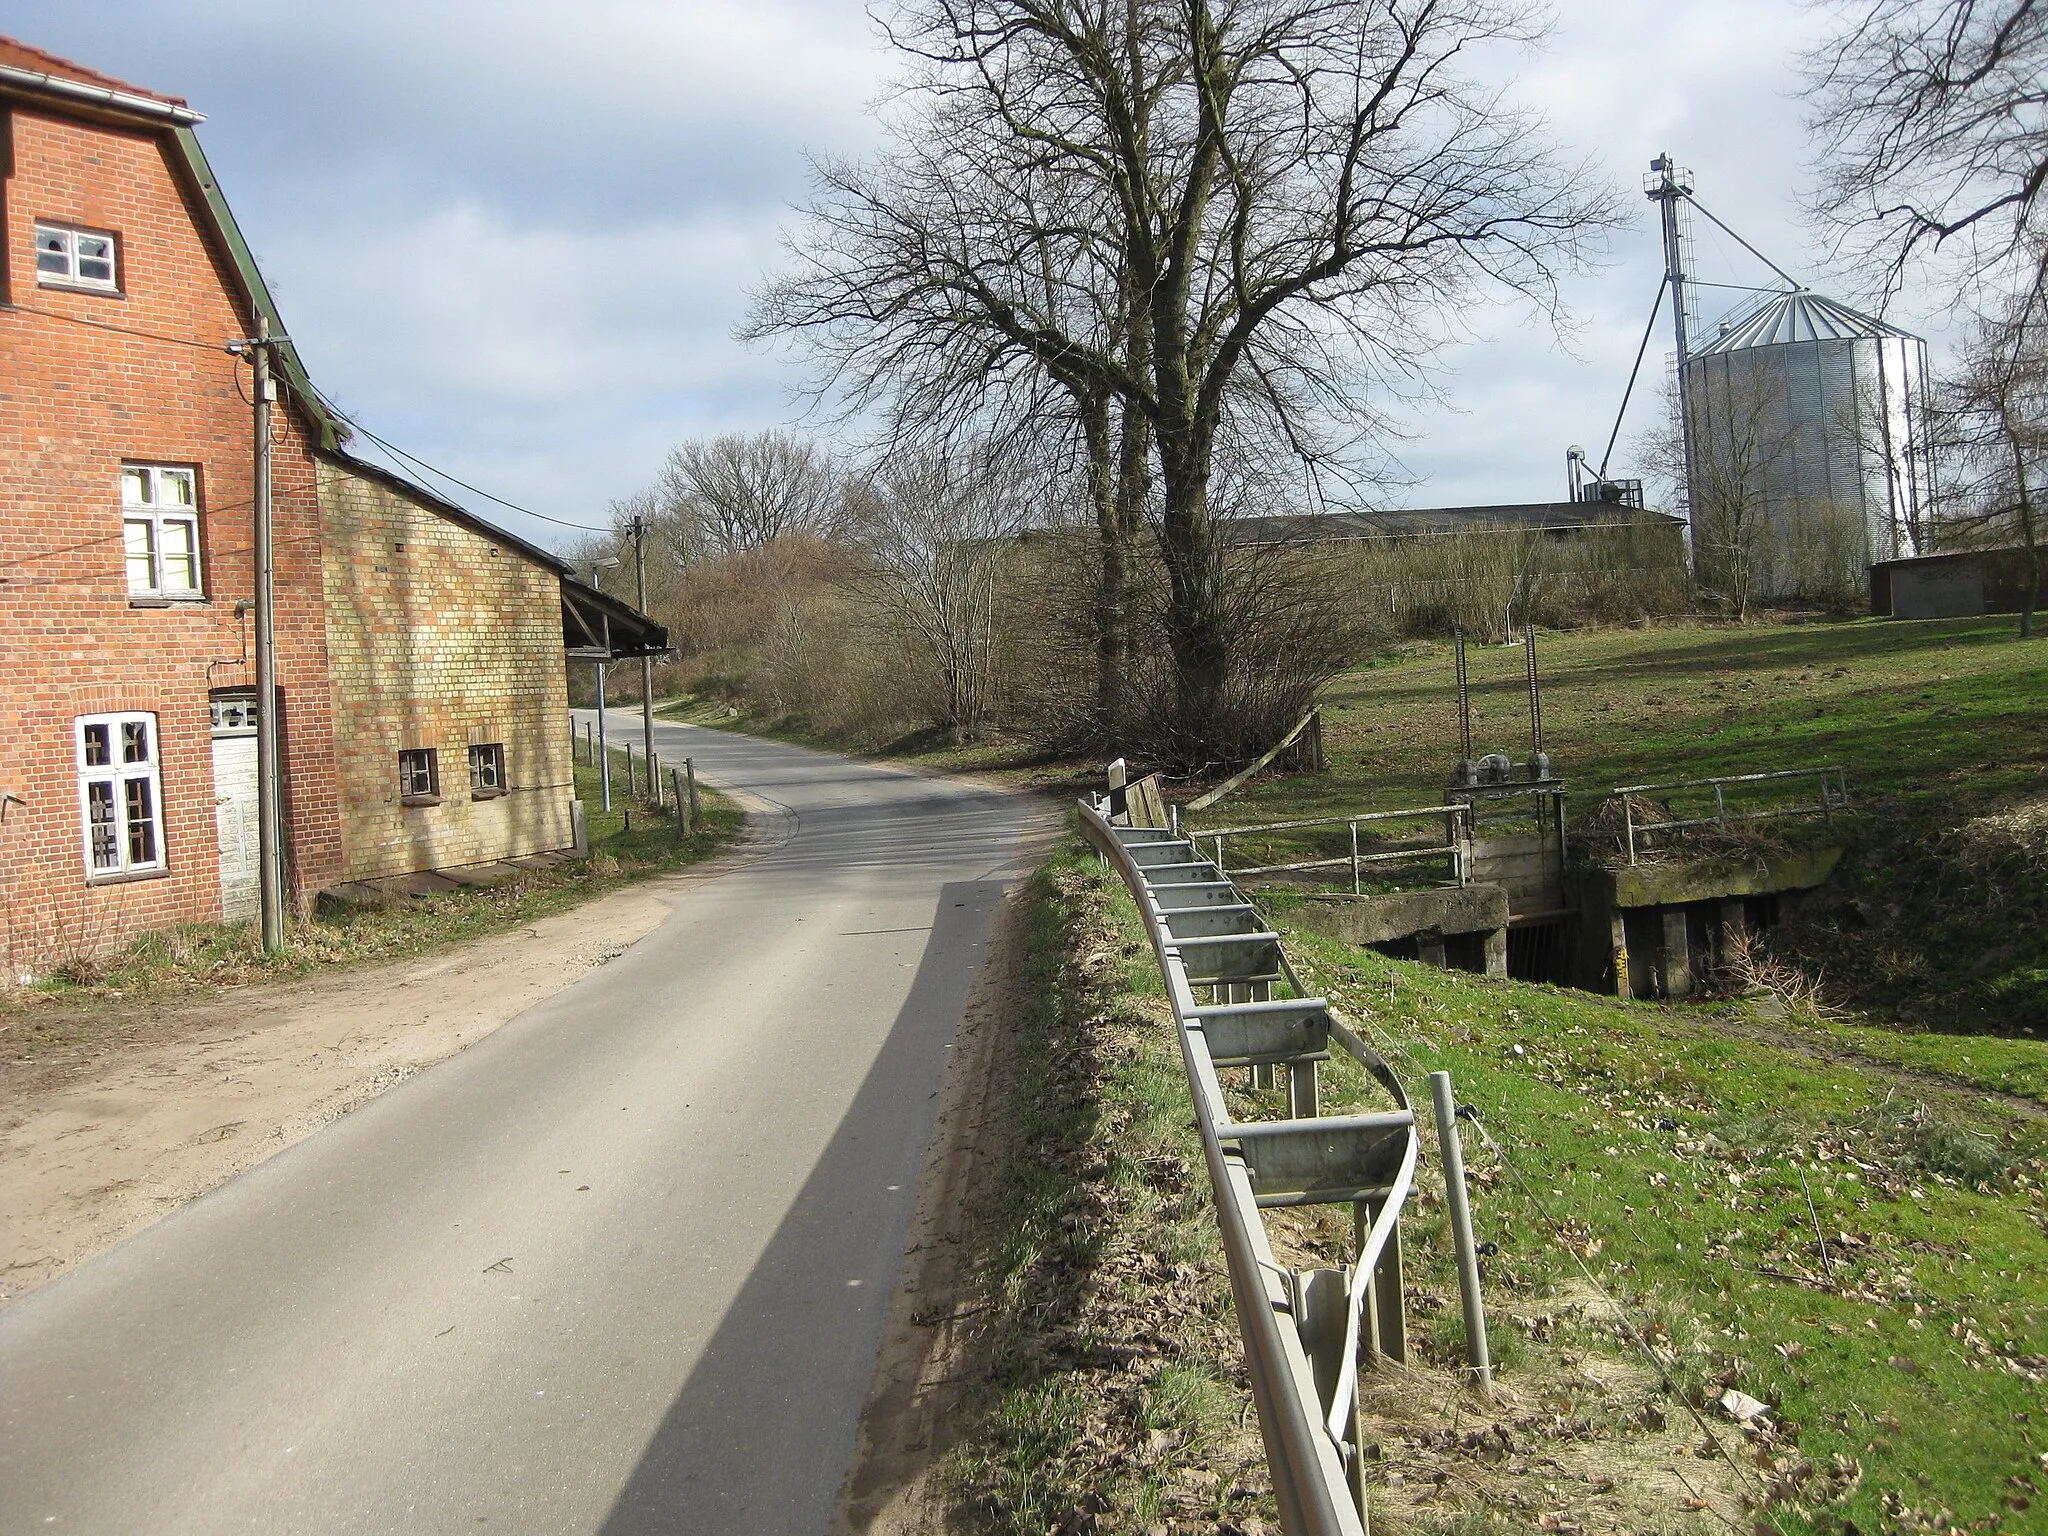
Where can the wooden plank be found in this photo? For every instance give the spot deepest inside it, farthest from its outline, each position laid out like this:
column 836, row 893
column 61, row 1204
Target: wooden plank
column 1231, row 783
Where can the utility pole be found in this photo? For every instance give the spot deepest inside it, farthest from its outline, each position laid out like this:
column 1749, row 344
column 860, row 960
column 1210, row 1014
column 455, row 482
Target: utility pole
column 646, row 661
column 269, row 845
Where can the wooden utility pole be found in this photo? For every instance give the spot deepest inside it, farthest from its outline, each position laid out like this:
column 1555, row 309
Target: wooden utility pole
column 646, row 661
column 269, row 845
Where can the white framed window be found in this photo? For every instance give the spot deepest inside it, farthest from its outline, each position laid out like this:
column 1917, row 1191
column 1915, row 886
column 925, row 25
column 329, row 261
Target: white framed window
column 486, row 770
column 75, row 258
column 120, row 795
column 160, row 530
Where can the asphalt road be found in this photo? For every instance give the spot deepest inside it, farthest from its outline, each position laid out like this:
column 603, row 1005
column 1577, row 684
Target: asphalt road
column 619, row 1268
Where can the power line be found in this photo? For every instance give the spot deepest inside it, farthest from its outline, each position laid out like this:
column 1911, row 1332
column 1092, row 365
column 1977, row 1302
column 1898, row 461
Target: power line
column 124, row 330
column 423, row 465
column 388, row 447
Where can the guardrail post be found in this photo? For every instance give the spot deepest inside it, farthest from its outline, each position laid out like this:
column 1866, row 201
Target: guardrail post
column 654, row 779
column 631, row 788
column 690, row 772
column 1477, row 1355
column 675, row 789
column 1721, row 809
column 1384, row 1328
column 1302, row 1090
column 1628, row 816
column 1355, row 886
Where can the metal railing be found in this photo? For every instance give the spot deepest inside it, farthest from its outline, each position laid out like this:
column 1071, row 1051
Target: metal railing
column 1304, row 1331
column 1456, row 846
column 1831, row 795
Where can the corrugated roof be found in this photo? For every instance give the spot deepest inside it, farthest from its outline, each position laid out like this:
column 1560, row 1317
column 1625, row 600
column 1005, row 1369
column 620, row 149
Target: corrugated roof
column 15, row 54
column 1411, row 522
column 1794, row 317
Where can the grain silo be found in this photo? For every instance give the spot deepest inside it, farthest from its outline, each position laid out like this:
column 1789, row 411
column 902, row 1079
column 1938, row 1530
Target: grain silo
column 1807, row 452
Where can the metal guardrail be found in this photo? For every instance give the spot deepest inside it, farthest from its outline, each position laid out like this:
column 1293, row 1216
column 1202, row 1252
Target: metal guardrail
column 1832, row 783
column 1456, row 846
column 1304, row 1331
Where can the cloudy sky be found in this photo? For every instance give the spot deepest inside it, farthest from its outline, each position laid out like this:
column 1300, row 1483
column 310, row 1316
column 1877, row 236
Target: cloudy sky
column 514, row 237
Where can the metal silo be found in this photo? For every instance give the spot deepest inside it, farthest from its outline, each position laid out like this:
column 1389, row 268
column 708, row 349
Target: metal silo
column 1808, row 454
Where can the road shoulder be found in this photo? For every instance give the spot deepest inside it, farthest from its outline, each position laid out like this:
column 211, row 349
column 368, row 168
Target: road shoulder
column 99, row 1143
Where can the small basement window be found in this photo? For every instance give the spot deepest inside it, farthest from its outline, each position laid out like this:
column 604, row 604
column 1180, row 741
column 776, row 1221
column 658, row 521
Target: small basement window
column 419, row 776
column 160, row 530
column 75, row 258
column 486, row 771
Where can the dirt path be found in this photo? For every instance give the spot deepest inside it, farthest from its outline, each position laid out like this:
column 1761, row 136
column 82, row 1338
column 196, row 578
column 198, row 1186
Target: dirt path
column 101, row 1138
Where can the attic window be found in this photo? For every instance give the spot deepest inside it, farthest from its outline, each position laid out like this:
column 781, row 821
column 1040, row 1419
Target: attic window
column 75, row 258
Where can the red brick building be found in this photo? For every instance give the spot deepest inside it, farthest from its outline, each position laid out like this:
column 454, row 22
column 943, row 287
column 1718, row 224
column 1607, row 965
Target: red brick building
column 420, row 651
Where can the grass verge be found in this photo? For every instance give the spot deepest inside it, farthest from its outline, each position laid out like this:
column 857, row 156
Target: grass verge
column 211, row 957
column 1855, row 1248
column 1856, row 1252
column 1111, row 1393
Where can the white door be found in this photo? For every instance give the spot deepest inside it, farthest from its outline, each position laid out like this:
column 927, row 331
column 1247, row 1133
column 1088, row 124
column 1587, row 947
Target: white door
column 234, row 821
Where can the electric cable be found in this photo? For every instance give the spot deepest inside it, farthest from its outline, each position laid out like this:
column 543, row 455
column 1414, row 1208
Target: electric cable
column 425, row 467
column 123, row 330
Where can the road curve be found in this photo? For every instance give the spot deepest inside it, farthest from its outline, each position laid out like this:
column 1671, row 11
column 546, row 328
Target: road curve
column 619, row 1268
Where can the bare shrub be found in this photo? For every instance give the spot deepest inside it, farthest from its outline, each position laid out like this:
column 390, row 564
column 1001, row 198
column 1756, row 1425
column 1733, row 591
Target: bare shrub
column 1748, row 968
column 1489, row 581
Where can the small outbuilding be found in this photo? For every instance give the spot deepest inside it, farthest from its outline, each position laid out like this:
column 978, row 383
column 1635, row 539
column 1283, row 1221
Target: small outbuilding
column 1958, row 585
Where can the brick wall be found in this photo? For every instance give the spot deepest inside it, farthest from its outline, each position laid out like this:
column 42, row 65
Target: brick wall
column 438, row 637
column 88, row 381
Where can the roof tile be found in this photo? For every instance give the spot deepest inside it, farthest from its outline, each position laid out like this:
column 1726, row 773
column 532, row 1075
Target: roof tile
column 16, row 54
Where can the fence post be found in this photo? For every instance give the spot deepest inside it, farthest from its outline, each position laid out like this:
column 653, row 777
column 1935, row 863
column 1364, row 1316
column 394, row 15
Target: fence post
column 1452, row 1153
column 690, row 773
column 1355, row 888
column 654, row 779
column 675, row 785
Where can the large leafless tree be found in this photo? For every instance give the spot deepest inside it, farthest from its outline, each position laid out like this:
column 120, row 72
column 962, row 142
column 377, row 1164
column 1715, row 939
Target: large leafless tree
column 1931, row 121
column 741, row 491
column 1196, row 217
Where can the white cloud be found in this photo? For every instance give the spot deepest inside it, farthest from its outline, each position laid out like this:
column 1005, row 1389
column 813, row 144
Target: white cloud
column 515, row 235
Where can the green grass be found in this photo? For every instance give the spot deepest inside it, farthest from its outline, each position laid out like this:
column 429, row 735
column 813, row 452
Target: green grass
column 1679, row 1160
column 1110, row 1384
column 1942, row 710
column 1902, row 1352
column 1938, row 917
column 212, row 956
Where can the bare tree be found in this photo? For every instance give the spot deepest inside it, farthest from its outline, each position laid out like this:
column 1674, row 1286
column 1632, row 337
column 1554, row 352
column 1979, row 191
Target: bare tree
column 1992, row 420
column 739, row 492
column 1931, row 123
column 1200, row 212
column 932, row 532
